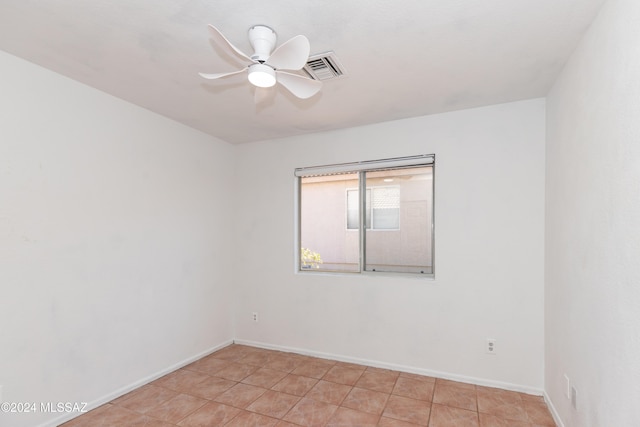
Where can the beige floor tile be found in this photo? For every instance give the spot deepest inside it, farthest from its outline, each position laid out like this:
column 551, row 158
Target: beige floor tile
column 265, row 377
column 350, row 365
column 538, row 413
column 446, row 416
column 343, row 375
column 180, row 380
column 240, row 395
column 311, row 413
column 235, row 352
column 455, row 384
column 501, row 403
column 210, row 388
column 211, row 414
column 118, row 416
column 286, row 424
column 176, row 409
column 146, row 397
column 313, row 369
column 236, row 371
column 364, row 400
column 257, row 359
column 295, row 384
column 487, row 420
column 209, row 365
column 390, row 422
column 383, row 371
column 406, row 409
column 414, row 388
column 328, row 392
column 377, row 381
column 273, row 404
column 284, row 363
column 345, row 417
column 90, row 419
column 417, row 377
column 453, row 395
column 250, row 419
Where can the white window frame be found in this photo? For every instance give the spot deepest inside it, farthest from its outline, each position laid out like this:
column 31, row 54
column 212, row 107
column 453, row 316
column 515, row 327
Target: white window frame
column 361, row 168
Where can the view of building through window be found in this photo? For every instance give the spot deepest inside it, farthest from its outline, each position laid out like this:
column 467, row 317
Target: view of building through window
column 382, row 205
column 398, row 212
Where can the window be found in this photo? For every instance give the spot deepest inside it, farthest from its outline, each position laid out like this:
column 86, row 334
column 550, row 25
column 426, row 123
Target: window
column 374, row 216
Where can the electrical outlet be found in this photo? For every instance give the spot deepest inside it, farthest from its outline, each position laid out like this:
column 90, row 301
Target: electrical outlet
column 574, row 397
column 255, row 317
column 491, row 346
column 567, row 387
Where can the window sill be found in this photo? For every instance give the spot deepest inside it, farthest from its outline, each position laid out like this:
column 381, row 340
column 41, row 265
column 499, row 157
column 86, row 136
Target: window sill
column 369, row 274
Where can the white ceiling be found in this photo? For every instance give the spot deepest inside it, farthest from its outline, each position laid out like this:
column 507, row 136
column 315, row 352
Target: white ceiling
column 403, row 58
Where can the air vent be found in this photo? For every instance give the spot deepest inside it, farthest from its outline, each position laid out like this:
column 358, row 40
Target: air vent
column 324, row 66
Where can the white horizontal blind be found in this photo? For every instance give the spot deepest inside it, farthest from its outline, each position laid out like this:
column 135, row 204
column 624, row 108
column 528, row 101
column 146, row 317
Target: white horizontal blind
column 395, row 163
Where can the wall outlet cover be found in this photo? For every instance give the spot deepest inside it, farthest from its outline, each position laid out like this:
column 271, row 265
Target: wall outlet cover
column 491, row 346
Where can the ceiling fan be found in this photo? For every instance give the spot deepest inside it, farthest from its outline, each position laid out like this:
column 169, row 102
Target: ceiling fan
column 266, row 65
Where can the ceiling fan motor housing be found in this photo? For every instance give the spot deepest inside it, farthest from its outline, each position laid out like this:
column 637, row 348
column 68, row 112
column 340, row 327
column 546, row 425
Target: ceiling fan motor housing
column 263, row 40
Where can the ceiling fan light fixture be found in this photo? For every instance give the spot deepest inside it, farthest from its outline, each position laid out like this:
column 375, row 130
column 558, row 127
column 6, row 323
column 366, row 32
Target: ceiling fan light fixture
column 268, row 66
column 261, row 75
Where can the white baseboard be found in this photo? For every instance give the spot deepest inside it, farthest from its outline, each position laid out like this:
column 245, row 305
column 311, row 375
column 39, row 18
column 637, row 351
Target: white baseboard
column 553, row 410
column 126, row 389
column 401, row 368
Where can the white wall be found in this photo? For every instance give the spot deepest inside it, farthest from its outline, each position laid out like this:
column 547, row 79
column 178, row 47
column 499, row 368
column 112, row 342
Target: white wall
column 489, row 229
column 114, row 237
column 593, row 225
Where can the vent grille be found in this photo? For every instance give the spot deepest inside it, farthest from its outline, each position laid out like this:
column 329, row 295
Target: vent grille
column 324, row 66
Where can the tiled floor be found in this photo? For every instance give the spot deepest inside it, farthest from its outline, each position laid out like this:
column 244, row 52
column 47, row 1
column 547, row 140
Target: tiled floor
column 246, row 386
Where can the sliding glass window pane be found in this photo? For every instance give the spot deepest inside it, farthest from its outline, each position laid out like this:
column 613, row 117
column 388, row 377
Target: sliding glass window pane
column 402, row 207
column 353, row 209
column 385, row 206
column 327, row 243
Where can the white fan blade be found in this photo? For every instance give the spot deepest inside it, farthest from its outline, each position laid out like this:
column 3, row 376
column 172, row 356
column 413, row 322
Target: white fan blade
column 290, row 55
column 224, row 44
column 221, row 75
column 299, row 86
